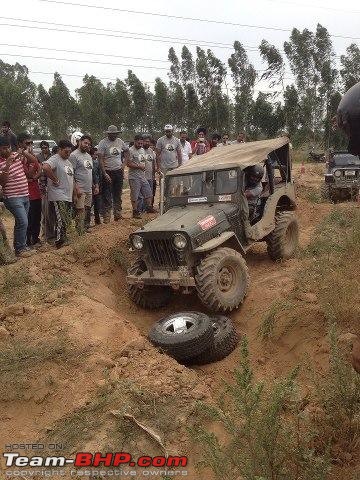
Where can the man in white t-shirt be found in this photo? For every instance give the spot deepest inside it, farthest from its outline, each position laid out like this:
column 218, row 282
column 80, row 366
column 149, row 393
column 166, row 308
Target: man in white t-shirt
column 113, row 153
column 185, row 146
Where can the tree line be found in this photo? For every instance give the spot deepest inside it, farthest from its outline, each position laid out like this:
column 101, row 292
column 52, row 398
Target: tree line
column 197, row 94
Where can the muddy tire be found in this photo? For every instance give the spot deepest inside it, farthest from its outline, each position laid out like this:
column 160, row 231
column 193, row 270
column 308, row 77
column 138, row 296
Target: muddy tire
column 182, row 335
column 149, row 297
column 325, row 192
column 222, row 280
column 283, row 240
column 225, row 342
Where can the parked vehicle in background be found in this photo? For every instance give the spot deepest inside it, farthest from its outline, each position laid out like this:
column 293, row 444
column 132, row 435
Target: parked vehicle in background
column 316, row 157
column 36, row 145
column 342, row 177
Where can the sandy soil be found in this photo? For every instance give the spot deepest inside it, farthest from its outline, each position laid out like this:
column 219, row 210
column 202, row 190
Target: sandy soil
column 71, row 393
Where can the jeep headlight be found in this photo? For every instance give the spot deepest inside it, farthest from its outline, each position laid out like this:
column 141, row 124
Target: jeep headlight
column 180, row 241
column 137, row 242
column 337, row 173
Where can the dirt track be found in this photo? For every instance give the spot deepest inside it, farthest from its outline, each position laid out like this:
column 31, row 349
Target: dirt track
column 91, row 307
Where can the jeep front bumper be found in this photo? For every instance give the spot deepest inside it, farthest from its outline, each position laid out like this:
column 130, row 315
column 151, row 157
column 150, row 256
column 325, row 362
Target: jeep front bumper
column 174, row 279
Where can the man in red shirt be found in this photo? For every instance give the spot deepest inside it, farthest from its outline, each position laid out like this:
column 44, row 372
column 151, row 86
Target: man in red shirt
column 200, row 145
column 16, row 192
column 32, row 171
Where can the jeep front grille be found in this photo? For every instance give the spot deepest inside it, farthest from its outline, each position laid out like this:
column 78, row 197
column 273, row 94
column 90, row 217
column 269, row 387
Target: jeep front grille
column 163, row 253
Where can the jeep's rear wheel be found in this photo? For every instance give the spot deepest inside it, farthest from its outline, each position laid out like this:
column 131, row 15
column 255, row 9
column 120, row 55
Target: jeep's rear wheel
column 149, row 296
column 222, row 280
column 283, row 240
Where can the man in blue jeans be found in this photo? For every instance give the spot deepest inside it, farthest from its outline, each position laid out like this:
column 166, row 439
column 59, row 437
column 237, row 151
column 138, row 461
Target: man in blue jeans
column 111, row 151
column 15, row 190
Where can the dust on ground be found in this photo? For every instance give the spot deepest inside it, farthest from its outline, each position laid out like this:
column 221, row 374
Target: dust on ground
column 74, row 355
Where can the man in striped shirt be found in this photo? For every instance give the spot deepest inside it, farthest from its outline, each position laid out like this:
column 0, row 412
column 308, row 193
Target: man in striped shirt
column 16, row 191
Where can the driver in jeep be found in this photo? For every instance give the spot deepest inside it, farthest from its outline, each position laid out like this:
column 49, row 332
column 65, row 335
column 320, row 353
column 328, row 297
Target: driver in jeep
column 253, row 186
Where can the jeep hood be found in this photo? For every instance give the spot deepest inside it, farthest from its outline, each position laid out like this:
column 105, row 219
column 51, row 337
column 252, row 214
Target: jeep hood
column 188, row 217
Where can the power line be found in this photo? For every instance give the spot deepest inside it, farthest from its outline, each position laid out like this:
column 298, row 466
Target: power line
column 85, row 53
column 248, row 49
column 114, row 79
column 107, row 35
column 75, row 75
column 90, row 61
column 319, row 7
column 83, row 61
column 178, row 17
column 158, row 38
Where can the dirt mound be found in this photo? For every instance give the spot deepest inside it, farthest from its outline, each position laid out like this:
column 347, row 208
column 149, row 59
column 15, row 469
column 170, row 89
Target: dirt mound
column 75, row 359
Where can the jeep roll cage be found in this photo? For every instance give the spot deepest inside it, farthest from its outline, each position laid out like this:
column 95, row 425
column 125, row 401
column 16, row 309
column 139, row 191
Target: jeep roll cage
column 273, row 154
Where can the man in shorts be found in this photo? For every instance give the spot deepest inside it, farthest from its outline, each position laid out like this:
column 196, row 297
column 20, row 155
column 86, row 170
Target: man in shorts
column 137, row 178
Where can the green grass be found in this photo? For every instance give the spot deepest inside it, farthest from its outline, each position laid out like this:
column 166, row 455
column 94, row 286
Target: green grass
column 21, row 356
column 14, row 279
column 332, row 265
column 124, row 396
column 268, row 324
column 120, row 256
column 18, row 286
column 265, row 436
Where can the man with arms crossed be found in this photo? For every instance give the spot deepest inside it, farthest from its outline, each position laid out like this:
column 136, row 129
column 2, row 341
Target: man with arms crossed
column 110, row 151
column 168, row 151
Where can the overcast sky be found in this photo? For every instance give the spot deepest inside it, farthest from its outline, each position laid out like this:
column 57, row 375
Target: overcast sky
column 340, row 18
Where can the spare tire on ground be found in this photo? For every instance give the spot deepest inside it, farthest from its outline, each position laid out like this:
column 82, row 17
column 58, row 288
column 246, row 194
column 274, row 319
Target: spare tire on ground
column 183, row 335
column 225, row 341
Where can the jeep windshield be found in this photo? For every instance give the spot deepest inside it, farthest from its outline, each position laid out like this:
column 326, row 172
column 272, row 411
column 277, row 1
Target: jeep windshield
column 220, row 182
column 344, row 160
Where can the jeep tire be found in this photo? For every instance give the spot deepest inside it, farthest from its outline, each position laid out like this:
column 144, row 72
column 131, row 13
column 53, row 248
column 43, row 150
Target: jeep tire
column 222, row 280
column 183, row 335
column 283, row 240
column 225, row 341
column 149, row 296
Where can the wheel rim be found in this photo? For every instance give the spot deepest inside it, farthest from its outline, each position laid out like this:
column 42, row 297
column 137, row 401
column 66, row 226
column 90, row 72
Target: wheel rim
column 178, row 325
column 226, row 278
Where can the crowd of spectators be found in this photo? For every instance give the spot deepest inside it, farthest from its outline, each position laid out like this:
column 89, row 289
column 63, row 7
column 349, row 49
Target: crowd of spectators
column 46, row 192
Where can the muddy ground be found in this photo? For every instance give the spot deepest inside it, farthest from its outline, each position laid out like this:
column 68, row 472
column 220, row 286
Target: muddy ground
column 75, row 359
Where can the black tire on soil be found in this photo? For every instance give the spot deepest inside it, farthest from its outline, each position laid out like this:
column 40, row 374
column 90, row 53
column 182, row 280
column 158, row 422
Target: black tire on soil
column 194, row 338
column 283, row 240
column 325, row 191
column 222, row 280
column 225, row 342
column 149, row 296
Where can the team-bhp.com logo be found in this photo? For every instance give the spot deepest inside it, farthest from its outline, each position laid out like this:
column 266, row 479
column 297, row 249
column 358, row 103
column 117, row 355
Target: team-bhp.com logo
column 85, row 459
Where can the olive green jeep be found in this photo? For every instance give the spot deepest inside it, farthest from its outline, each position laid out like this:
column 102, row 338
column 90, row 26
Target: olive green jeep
column 199, row 241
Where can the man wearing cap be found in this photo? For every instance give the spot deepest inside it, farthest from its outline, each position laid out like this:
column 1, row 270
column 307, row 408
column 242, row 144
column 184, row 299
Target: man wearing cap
column 168, row 151
column 110, row 151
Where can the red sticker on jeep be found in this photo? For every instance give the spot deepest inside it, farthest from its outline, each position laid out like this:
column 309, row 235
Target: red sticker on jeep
column 207, row 222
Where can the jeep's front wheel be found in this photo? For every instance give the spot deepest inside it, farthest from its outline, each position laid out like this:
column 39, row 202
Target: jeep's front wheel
column 283, row 240
column 222, row 280
column 150, row 296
